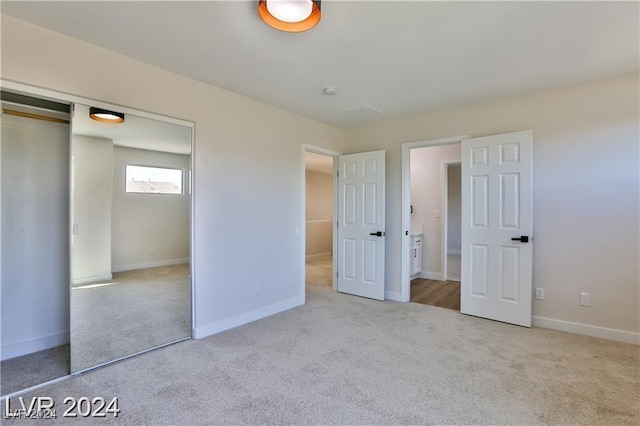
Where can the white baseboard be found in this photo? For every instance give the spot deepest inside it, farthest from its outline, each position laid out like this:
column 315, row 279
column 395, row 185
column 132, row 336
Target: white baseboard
column 458, row 252
column 229, row 323
column 30, row 346
column 393, row 295
column 430, row 275
column 87, row 280
column 326, row 255
column 152, row 264
column 587, row 330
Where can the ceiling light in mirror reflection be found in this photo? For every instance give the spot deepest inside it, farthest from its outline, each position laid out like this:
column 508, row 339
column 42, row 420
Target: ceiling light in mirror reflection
column 104, row 116
column 136, row 132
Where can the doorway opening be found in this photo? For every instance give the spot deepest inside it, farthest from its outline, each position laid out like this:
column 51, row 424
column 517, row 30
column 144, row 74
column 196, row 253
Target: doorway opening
column 422, row 210
column 319, row 214
column 435, row 195
column 496, row 254
column 357, row 224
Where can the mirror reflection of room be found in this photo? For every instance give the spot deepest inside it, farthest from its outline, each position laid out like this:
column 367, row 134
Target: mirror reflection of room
column 130, row 239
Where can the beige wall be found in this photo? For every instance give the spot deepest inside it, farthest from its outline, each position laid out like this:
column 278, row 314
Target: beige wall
column 319, row 213
column 319, row 199
column 585, row 191
column 426, row 198
column 247, row 175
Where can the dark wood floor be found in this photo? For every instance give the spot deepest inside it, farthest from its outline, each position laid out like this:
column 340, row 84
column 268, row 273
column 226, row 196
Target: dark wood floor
column 445, row 294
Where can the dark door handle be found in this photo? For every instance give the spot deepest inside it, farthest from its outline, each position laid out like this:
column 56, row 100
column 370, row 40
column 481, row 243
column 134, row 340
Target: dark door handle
column 522, row 239
column 377, row 234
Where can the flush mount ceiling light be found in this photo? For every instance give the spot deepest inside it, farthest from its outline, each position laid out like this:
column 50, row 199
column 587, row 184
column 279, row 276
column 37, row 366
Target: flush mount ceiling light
column 105, row 116
column 292, row 16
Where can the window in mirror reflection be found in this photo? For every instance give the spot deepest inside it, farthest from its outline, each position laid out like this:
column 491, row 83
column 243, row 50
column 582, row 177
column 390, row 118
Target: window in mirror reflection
column 153, row 180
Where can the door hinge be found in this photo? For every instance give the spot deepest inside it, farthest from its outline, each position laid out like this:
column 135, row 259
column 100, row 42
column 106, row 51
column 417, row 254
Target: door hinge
column 337, row 224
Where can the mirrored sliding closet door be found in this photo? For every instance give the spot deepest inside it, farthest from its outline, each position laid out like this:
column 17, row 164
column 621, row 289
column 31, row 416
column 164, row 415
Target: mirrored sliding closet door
column 130, row 235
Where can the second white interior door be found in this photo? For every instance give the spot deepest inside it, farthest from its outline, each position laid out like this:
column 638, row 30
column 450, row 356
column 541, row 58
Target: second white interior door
column 361, row 221
column 496, row 227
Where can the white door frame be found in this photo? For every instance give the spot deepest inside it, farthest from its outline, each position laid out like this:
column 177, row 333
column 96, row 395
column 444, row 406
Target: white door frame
column 61, row 97
column 303, row 237
column 444, row 223
column 405, row 279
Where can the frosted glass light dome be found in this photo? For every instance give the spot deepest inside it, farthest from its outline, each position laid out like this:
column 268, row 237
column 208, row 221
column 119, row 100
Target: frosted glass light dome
column 290, row 10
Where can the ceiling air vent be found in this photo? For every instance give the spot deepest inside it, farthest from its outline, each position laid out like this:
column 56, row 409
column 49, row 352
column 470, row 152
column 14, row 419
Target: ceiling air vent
column 364, row 112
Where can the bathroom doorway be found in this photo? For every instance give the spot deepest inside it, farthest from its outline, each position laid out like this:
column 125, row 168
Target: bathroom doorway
column 319, row 220
column 435, row 225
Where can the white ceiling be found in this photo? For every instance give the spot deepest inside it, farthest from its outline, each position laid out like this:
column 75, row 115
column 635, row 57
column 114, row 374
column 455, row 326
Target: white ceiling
column 398, row 57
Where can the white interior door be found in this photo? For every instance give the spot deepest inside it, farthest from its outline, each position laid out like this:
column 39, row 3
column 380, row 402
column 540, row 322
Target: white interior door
column 496, row 227
column 361, row 235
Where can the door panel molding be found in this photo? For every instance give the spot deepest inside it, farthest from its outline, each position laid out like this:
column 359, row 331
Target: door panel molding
column 361, row 224
column 496, row 280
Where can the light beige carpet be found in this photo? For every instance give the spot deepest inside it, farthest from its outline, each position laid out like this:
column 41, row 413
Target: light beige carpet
column 29, row 370
column 341, row 359
column 319, row 273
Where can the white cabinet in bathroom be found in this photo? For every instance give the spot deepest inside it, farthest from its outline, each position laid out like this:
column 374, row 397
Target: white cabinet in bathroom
column 416, row 254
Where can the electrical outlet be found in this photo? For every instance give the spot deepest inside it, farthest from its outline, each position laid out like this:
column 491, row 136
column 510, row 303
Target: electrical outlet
column 437, row 213
column 539, row 293
column 152, row 250
column 585, row 299
column 256, row 289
